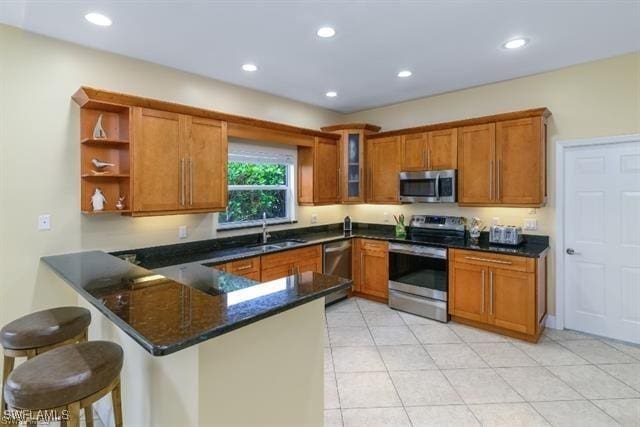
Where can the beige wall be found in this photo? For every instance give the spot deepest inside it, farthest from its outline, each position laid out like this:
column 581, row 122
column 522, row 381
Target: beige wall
column 39, row 167
column 589, row 100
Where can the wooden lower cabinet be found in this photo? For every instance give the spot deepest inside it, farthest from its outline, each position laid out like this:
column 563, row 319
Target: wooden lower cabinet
column 371, row 269
column 502, row 293
column 286, row 263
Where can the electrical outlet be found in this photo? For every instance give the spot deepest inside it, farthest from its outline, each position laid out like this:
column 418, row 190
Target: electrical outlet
column 533, row 211
column 182, row 232
column 530, row 224
column 44, row 222
column 314, row 218
column 386, row 216
column 495, row 220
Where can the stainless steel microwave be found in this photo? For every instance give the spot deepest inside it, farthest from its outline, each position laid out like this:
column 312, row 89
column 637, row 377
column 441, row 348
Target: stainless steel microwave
column 428, row 186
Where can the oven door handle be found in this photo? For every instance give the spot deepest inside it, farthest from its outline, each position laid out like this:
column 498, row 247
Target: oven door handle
column 397, row 250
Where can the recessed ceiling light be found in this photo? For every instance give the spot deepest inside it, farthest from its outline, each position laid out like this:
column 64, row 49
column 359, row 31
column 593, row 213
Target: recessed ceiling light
column 326, row 32
column 250, row 67
column 405, row 73
column 331, row 94
column 515, row 43
column 98, row 19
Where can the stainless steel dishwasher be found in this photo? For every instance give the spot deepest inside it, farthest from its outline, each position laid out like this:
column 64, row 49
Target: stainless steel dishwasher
column 337, row 262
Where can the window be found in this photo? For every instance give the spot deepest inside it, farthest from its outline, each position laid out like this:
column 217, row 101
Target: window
column 259, row 183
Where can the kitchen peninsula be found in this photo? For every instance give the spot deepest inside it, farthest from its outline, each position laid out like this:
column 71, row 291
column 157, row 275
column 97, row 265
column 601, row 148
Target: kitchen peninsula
column 267, row 354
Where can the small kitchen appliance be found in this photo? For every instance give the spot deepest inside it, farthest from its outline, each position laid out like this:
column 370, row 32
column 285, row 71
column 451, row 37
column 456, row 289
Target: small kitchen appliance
column 506, row 235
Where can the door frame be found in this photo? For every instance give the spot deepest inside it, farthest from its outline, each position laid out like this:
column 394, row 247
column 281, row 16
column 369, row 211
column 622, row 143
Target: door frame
column 561, row 147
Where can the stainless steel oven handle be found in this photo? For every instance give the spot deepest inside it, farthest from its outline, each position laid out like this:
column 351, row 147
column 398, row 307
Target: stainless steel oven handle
column 426, row 251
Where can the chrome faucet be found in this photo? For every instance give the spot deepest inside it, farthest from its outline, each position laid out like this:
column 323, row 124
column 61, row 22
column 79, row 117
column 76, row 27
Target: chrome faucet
column 265, row 233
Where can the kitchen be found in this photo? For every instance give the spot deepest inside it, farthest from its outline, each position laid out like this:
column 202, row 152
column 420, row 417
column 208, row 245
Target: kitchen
column 190, row 153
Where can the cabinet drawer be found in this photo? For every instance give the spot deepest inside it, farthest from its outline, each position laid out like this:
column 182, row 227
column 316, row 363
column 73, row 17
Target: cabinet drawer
column 291, row 256
column 245, row 266
column 276, row 272
column 488, row 259
column 373, row 245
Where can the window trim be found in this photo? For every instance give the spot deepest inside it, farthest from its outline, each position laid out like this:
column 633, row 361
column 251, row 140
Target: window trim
column 290, row 204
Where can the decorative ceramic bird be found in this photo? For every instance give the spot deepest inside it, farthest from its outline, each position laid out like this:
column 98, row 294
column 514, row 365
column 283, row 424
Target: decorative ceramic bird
column 98, row 131
column 99, row 164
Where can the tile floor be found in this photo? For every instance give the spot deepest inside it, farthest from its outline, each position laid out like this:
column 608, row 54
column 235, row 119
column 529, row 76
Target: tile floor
column 388, row 368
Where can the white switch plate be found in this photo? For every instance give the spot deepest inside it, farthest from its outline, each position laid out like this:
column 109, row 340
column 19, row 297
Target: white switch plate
column 386, row 216
column 495, row 220
column 533, row 211
column 314, row 218
column 44, row 222
column 530, row 224
column 182, row 232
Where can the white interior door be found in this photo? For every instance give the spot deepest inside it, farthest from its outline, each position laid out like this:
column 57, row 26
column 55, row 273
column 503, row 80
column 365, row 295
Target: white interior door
column 602, row 240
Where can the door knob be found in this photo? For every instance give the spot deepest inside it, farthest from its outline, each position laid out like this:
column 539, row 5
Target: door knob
column 570, row 251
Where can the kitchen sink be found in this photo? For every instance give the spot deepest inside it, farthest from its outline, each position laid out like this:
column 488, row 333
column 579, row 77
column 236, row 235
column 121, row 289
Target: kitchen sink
column 281, row 244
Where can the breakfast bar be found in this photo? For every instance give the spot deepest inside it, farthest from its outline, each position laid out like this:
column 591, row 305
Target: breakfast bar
column 202, row 345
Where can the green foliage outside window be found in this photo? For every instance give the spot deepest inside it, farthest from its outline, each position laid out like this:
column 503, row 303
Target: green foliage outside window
column 248, row 204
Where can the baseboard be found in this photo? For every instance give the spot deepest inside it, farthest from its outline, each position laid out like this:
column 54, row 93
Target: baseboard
column 550, row 322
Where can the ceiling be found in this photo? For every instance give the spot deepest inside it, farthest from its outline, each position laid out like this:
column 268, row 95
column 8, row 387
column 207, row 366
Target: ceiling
column 449, row 45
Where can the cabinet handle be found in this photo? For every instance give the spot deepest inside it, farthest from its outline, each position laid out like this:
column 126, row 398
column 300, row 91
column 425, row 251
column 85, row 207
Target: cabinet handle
column 425, row 158
column 244, row 267
column 490, row 292
column 482, row 311
column 498, row 174
column 182, row 196
column 497, row 261
column 190, row 181
column 490, row 179
column 360, row 186
column 361, row 268
column 339, row 182
column 429, row 158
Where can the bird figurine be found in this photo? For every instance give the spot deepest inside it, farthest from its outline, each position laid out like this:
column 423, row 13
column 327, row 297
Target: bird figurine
column 98, row 200
column 120, row 203
column 98, row 131
column 99, row 164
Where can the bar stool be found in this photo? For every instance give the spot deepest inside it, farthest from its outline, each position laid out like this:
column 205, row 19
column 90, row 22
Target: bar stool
column 68, row 378
column 39, row 332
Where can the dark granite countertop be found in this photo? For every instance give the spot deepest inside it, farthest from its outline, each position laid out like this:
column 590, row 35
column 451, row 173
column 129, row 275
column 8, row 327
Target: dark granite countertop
column 218, row 251
column 171, row 308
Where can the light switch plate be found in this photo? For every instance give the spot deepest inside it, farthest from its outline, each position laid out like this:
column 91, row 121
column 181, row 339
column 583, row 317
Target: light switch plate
column 530, row 224
column 182, row 232
column 386, row 216
column 44, row 222
column 495, row 220
column 314, row 218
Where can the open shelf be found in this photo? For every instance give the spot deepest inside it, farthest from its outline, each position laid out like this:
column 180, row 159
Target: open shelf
column 88, row 175
column 114, row 149
column 104, row 141
column 106, row 211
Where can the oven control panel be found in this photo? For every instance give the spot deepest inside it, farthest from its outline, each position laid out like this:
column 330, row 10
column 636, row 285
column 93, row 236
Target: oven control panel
column 438, row 222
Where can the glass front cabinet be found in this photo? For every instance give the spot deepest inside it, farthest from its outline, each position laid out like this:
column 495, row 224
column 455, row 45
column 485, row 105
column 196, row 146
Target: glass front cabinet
column 352, row 160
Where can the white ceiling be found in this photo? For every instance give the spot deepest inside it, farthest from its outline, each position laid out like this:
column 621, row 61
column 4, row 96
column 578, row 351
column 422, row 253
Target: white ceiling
column 448, row 45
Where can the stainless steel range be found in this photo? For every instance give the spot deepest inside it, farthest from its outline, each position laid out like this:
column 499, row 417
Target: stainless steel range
column 418, row 270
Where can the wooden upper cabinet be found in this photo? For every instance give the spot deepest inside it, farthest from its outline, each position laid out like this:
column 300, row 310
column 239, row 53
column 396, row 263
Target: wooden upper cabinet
column 520, row 167
column 415, row 148
column 157, row 168
column 318, row 169
column 179, row 163
column 326, row 171
column 435, row 150
column 206, row 163
column 352, row 172
column 383, row 158
column 476, row 162
column 443, row 149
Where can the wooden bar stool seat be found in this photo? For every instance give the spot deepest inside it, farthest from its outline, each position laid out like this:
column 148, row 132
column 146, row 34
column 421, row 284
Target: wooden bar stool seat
column 71, row 377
